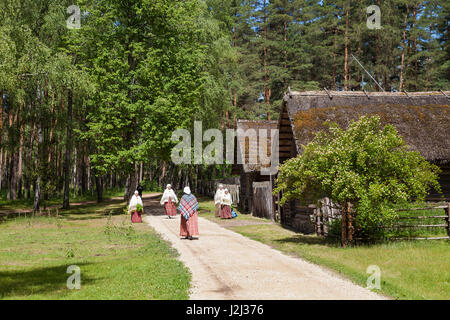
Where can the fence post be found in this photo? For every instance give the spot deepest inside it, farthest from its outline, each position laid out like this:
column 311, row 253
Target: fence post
column 350, row 227
column 447, row 211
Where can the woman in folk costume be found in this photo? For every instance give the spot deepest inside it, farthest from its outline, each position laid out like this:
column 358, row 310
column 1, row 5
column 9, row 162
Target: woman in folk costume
column 225, row 212
column 168, row 200
column 189, row 217
column 217, row 199
column 132, row 208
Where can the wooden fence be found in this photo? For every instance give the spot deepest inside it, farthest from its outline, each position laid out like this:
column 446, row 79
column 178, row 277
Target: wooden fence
column 445, row 217
column 322, row 216
column 263, row 204
column 326, row 212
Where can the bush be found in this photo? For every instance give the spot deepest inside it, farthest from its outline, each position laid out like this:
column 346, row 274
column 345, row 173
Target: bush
column 151, row 186
column 366, row 165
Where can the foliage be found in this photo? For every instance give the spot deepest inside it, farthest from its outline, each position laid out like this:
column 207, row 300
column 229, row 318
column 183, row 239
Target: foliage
column 367, row 165
column 118, row 260
column 154, row 65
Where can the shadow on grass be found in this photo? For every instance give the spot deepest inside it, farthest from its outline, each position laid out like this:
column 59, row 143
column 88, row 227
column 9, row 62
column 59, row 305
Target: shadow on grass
column 304, row 239
column 48, row 280
column 87, row 211
column 300, row 238
column 93, row 211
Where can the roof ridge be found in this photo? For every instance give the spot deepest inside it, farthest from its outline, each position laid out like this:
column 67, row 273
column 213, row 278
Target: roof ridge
column 362, row 93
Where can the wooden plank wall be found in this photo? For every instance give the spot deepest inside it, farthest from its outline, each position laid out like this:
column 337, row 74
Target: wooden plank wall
column 287, row 148
column 246, row 192
column 263, row 204
column 444, row 181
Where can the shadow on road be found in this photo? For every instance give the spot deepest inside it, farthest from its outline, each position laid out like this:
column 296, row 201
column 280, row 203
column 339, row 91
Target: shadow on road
column 152, row 205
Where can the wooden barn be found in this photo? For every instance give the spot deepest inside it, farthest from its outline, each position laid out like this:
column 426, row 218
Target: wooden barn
column 422, row 118
column 255, row 192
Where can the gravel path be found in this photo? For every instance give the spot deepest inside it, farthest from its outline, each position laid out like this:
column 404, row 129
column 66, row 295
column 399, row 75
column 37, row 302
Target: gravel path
column 228, row 266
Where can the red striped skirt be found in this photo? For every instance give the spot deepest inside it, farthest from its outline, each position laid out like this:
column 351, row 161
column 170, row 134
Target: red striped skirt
column 189, row 227
column 225, row 212
column 171, row 209
column 136, row 217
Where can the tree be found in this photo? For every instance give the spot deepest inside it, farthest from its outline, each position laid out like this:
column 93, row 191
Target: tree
column 367, row 165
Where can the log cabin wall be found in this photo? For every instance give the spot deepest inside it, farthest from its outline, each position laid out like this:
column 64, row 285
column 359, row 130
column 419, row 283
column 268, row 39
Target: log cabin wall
column 250, row 177
column 263, row 204
column 292, row 214
column 246, row 192
column 444, row 182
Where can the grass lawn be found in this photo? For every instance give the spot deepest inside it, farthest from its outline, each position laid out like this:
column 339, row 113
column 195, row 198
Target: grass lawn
column 28, row 203
column 409, row 269
column 118, row 260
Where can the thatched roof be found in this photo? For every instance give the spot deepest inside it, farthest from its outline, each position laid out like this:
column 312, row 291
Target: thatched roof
column 247, row 140
column 422, row 118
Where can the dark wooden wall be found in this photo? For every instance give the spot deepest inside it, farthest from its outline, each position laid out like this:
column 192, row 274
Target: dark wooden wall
column 263, row 204
column 444, row 181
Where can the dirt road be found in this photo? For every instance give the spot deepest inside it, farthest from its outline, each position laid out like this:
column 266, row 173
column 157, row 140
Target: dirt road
column 227, row 265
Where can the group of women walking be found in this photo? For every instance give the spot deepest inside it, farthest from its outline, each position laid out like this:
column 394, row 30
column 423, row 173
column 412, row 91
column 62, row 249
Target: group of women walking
column 223, row 202
column 188, row 208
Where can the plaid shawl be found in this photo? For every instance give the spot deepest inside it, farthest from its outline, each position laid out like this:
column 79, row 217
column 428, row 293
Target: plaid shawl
column 188, row 205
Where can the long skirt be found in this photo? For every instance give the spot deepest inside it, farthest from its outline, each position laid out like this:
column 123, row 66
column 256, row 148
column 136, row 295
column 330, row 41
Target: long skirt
column 225, row 213
column 189, row 228
column 136, row 217
column 217, row 212
column 171, row 209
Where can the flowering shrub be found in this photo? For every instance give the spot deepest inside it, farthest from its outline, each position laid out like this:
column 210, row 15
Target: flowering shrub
column 367, row 165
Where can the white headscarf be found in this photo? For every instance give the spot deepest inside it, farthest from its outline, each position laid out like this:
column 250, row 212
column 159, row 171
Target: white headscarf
column 135, row 200
column 219, row 195
column 226, row 199
column 187, row 190
column 169, row 193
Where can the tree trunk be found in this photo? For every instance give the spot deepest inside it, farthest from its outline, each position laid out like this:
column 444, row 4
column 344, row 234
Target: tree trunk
column 267, row 91
column 346, row 73
column 99, row 187
column 20, row 163
column 37, row 186
column 132, row 182
column 402, row 64
column 12, row 191
column 66, row 203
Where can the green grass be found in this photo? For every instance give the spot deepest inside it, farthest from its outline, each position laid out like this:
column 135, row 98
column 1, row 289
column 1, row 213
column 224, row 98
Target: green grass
column 423, row 231
column 409, row 269
column 118, row 260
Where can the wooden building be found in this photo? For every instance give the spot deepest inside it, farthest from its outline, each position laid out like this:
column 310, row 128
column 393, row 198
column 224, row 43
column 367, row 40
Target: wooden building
column 255, row 192
column 422, row 118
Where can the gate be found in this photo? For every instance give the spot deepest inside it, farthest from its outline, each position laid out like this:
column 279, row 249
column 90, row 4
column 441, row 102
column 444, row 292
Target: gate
column 263, row 205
